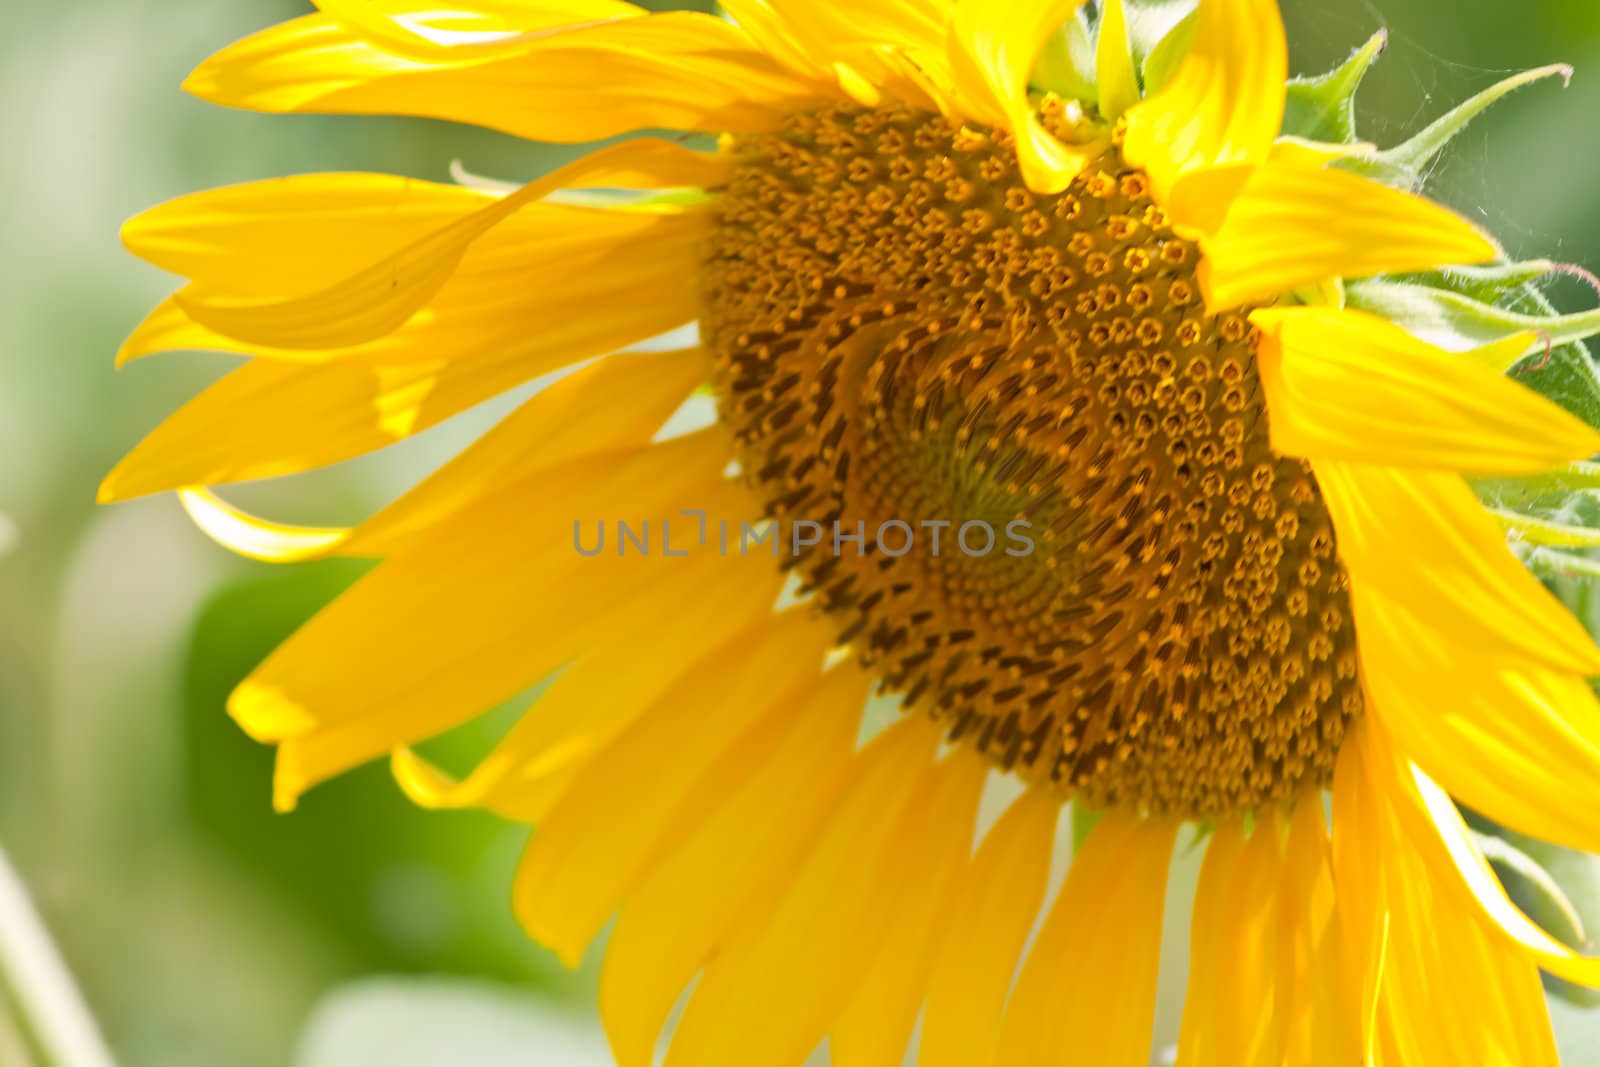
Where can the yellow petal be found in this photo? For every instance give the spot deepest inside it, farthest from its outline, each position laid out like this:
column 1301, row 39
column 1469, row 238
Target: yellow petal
column 1225, row 104
column 993, row 46
column 1299, row 151
column 1323, row 1009
column 1350, row 386
column 735, row 863
column 874, row 1029
column 1423, row 540
column 1265, row 979
column 771, row 995
column 1503, row 354
column 771, row 31
column 1293, row 226
column 1000, row 894
column 1452, row 991
column 624, row 803
column 600, row 692
column 255, row 538
column 917, row 24
column 363, row 677
column 1429, row 806
column 168, row 328
column 678, row 70
column 865, row 51
column 1198, row 1036
column 1239, row 1006
column 826, row 32
column 1513, row 740
column 580, row 714
column 472, row 29
column 1118, row 81
column 495, row 326
column 377, row 300
column 1363, row 899
column 1087, row 993
column 307, row 230
column 611, row 405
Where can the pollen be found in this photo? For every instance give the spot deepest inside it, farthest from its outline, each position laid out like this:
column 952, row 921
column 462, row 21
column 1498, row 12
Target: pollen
column 909, row 341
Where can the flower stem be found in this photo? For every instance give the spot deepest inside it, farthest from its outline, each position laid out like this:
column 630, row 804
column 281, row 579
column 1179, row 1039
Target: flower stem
column 43, row 1020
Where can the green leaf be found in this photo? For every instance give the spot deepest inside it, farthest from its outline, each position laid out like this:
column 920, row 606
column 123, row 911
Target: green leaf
column 1405, row 165
column 1324, row 108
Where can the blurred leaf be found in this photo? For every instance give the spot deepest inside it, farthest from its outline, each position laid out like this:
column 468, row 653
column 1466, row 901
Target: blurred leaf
column 395, row 888
column 396, row 1022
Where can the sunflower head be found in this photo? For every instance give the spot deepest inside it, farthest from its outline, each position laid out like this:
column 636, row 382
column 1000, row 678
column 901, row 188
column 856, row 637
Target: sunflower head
column 904, row 331
column 1128, row 402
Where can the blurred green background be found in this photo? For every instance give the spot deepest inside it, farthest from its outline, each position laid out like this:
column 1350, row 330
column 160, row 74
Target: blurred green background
column 204, row 929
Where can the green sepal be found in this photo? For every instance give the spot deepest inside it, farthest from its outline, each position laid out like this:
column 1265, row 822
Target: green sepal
column 1324, row 108
column 1443, row 316
column 1167, row 54
column 1084, row 820
column 1548, row 532
column 1116, row 70
column 1556, row 887
column 1150, row 22
column 1552, row 521
column 1494, row 282
column 1552, row 524
column 1539, row 519
column 1159, row 35
column 1555, row 566
column 1406, row 165
column 1532, row 490
column 1066, row 63
column 1454, row 321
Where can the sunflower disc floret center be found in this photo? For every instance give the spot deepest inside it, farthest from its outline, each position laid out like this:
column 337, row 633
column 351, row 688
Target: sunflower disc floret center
column 906, row 336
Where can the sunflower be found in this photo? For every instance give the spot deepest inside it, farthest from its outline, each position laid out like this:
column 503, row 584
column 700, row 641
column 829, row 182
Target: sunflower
column 1149, row 347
